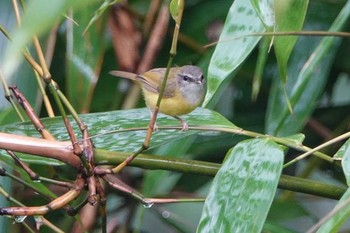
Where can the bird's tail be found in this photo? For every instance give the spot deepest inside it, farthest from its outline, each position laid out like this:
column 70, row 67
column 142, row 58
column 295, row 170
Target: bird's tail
column 123, row 74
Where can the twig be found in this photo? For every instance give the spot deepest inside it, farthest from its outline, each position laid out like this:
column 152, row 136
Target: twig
column 32, row 115
column 53, row 205
column 290, row 33
column 173, row 50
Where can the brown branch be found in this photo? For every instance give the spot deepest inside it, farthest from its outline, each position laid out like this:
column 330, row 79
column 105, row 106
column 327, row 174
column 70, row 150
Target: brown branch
column 32, row 115
column 53, row 205
column 51, row 149
column 24, row 166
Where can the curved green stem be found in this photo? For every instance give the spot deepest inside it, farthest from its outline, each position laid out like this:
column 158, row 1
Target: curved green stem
column 103, row 157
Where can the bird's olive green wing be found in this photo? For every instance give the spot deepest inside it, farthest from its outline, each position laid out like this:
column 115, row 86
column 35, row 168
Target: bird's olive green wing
column 152, row 80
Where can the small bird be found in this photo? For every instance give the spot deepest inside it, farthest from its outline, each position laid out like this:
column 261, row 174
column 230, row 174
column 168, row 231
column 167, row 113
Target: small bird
column 184, row 91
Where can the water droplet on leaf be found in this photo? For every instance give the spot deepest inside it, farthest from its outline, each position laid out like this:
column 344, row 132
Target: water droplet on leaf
column 20, row 219
column 148, row 205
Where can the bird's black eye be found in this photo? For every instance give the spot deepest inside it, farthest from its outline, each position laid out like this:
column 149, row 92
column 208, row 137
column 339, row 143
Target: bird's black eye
column 185, row 78
column 202, row 77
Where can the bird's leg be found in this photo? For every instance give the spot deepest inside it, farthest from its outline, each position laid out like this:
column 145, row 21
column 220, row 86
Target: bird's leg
column 183, row 123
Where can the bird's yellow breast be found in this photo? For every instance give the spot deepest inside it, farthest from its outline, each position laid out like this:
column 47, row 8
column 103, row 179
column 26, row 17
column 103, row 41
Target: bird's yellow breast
column 173, row 106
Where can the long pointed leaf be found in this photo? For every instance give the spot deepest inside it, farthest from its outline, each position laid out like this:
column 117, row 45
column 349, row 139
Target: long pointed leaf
column 243, row 189
column 266, row 12
column 84, row 61
column 230, row 53
column 345, row 162
column 132, row 123
column 290, row 16
column 336, row 221
column 38, row 18
column 303, row 88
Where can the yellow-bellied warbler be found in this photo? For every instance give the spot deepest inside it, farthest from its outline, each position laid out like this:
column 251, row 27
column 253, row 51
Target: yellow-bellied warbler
column 184, row 91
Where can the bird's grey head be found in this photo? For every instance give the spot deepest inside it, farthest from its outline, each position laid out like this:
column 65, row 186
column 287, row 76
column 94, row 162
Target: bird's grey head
column 192, row 84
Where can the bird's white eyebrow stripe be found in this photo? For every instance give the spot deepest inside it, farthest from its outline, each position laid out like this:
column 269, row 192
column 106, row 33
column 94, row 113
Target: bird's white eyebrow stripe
column 188, row 75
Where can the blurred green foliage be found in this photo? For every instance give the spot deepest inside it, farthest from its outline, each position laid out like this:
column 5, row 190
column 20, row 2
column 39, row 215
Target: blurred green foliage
column 315, row 90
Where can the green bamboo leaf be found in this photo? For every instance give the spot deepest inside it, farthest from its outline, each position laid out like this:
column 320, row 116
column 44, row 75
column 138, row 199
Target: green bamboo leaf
column 131, row 124
column 296, row 138
column 341, row 152
column 345, row 162
column 260, row 65
column 99, row 12
column 289, row 16
column 230, row 52
column 83, row 59
column 243, row 189
column 22, row 77
column 336, row 221
column 38, row 18
column 265, row 10
column 303, row 87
